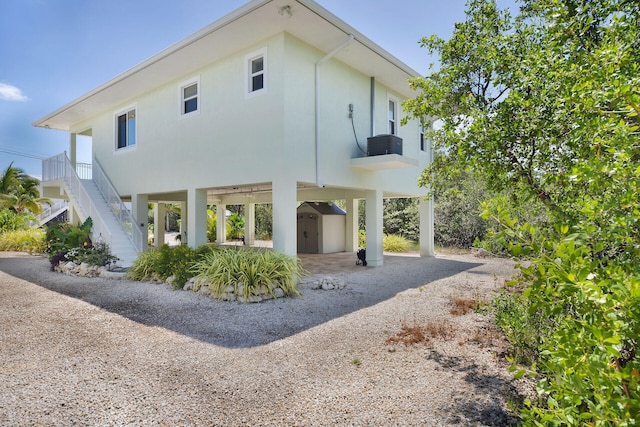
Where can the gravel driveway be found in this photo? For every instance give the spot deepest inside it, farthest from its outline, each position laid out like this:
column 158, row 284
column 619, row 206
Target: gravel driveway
column 77, row 351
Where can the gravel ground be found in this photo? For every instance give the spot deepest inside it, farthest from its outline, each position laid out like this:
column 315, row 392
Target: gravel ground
column 77, row 351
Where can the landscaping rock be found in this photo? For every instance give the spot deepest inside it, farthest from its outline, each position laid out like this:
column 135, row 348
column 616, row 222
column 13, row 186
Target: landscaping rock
column 326, row 283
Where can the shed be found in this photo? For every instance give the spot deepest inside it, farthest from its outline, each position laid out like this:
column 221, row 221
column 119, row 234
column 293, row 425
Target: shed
column 321, row 228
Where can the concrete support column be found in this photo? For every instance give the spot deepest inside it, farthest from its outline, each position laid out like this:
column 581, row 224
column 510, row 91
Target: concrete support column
column 427, row 234
column 72, row 215
column 183, row 223
column 73, row 149
column 196, row 217
column 249, row 224
column 284, row 217
column 221, row 223
column 159, row 214
column 140, row 213
column 374, row 228
column 352, row 225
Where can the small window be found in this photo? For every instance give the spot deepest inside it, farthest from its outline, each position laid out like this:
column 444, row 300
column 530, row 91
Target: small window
column 424, row 126
column 126, row 129
column 392, row 116
column 190, row 99
column 189, row 96
column 256, row 72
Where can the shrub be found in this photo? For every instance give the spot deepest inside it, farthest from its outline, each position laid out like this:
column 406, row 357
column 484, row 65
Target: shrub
column 145, row 266
column 176, row 262
column 160, row 264
column 12, row 221
column 63, row 237
column 525, row 328
column 235, row 226
column 98, row 254
column 258, row 272
column 395, row 243
column 401, row 216
column 212, row 225
column 30, row 240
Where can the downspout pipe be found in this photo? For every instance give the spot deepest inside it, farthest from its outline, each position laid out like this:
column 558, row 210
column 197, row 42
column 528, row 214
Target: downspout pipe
column 317, row 118
column 372, row 106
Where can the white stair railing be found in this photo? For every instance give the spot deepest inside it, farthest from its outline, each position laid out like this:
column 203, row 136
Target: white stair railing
column 51, row 211
column 60, row 167
column 118, row 208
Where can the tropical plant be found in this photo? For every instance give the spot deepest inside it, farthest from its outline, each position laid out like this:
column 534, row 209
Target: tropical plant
column 249, row 272
column 145, row 266
column 264, row 221
column 177, row 262
column 395, row 243
column 212, row 225
column 235, row 226
column 12, row 221
column 97, row 254
column 62, row 237
column 31, row 240
column 165, row 262
column 20, row 192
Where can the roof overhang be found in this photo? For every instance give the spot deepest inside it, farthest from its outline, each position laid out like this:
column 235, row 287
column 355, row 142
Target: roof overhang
column 308, row 21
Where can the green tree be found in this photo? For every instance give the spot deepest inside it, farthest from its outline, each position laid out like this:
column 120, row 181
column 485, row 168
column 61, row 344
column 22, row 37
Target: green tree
column 548, row 103
column 20, row 192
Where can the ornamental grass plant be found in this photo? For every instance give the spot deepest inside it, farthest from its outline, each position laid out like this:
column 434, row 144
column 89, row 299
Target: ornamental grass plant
column 249, row 272
column 31, row 240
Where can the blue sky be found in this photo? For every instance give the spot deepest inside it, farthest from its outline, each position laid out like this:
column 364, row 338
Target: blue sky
column 53, row 51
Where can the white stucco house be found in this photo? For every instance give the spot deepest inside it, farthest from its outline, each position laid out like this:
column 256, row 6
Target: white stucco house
column 262, row 106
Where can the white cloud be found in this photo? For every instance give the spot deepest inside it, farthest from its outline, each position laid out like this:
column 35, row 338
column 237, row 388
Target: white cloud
column 11, row 93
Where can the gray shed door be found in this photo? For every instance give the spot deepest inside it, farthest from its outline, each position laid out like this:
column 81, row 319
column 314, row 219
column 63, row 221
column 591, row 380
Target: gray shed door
column 307, row 233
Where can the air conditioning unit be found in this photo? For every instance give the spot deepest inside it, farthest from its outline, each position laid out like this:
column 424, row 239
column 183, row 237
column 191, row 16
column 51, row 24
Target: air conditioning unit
column 384, row 144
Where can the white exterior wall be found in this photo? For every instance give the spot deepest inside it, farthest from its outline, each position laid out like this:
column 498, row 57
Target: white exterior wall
column 230, row 141
column 332, row 234
column 235, row 140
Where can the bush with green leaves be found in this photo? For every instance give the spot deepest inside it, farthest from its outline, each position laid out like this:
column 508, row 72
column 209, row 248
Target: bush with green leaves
column 96, row 254
column 162, row 263
column 235, row 226
column 549, row 103
column 212, row 225
column 395, row 243
column 31, row 240
column 12, row 221
column 62, row 236
column 249, row 272
column 401, row 217
column 177, row 262
column 146, row 266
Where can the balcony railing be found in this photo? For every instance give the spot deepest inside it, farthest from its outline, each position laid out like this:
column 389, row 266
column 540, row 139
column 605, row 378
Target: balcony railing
column 84, row 170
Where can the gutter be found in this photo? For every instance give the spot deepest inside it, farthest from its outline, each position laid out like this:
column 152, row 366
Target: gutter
column 317, row 118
